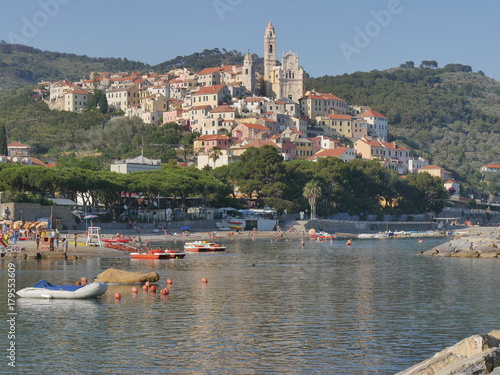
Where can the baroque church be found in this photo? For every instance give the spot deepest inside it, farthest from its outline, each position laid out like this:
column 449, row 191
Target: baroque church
column 285, row 81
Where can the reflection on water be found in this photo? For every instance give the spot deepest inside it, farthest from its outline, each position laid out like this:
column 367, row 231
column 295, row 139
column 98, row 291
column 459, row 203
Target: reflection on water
column 268, row 308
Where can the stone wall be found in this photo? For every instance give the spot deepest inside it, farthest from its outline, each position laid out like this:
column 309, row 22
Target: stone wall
column 341, row 226
column 61, row 215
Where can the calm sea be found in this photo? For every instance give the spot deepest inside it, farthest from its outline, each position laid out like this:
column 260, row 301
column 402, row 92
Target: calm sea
column 268, row 308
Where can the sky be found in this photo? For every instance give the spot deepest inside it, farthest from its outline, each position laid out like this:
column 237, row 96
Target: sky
column 331, row 37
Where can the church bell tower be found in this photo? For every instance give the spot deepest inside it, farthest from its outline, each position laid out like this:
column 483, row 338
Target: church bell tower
column 269, row 57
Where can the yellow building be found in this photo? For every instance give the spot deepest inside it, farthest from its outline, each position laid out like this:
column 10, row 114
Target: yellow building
column 315, row 104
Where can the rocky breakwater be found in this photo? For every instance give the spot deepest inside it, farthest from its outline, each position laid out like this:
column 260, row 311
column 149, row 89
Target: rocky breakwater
column 470, row 243
column 475, row 355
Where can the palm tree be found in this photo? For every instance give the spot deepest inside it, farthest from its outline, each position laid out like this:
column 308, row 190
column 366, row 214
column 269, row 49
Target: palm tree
column 215, row 154
column 312, row 190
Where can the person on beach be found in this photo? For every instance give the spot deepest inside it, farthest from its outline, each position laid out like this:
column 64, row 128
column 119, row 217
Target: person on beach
column 65, row 244
column 37, row 240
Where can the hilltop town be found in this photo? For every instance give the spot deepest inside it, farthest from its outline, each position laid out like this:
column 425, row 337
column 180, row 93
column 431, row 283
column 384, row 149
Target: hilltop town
column 234, row 108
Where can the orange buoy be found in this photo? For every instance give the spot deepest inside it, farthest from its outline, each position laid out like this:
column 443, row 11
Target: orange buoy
column 134, row 289
column 204, row 280
column 118, row 296
column 79, row 283
column 147, row 283
column 145, row 288
column 170, row 281
column 152, row 288
column 164, row 292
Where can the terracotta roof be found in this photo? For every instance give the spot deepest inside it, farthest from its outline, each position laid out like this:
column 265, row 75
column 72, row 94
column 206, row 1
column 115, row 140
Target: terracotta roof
column 195, row 108
column 393, row 146
column 340, row 117
column 430, row 167
column 261, row 143
column 16, row 144
column 82, row 92
column 207, row 71
column 209, row 90
column 321, row 96
column 223, row 108
column 337, row 152
column 255, row 99
column 371, row 113
column 214, row 137
column 371, row 143
column 492, row 165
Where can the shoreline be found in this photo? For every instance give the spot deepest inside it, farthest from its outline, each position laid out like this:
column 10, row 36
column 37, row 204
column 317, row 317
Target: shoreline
column 481, row 242
column 474, row 242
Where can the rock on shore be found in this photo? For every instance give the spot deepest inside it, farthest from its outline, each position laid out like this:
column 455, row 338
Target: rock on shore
column 475, row 355
column 472, row 243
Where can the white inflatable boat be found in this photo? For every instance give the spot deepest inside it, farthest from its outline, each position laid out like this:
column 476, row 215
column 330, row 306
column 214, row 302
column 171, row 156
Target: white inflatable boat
column 44, row 289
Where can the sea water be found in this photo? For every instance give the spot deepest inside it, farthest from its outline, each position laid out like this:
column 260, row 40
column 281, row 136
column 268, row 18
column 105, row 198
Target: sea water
column 375, row 307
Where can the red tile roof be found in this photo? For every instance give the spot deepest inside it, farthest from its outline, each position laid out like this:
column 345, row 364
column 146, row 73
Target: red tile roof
column 337, row 152
column 340, row 117
column 223, row 108
column 261, row 143
column 16, row 144
column 430, row 167
column 207, row 90
column 207, row 71
column 214, row 137
column 371, row 113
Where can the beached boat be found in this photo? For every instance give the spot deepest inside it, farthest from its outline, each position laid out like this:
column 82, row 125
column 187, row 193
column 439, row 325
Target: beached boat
column 158, row 254
column 116, row 239
column 203, row 246
column 324, row 235
column 120, row 246
column 44, row 289
column 116, row 276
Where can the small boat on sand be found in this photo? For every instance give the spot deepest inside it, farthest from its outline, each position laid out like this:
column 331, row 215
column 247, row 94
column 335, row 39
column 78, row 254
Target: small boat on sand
column 116, row 239
column 324, row 235
column 116, row 276
column 158, row 254
column 120, row 246
column 203, row 246
column 44, row 289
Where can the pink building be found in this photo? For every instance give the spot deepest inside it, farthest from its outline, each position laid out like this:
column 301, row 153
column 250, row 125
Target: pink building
column 250, row 132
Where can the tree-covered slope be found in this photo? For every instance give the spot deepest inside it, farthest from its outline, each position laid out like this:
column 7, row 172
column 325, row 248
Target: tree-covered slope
column 445, row 115
column 22, row 65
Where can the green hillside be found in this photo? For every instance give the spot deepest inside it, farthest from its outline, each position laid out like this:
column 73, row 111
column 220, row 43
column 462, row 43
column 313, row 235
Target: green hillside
column 448, row 115
column 22, row 65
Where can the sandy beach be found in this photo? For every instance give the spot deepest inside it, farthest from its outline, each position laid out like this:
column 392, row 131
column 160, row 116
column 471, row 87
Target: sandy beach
column 174, row 240
column 151, row 238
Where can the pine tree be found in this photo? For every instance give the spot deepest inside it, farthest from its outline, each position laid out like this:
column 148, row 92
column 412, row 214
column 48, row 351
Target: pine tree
column 3, row 140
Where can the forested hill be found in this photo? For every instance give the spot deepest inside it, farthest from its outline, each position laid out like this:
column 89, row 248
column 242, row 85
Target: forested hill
column 22, row 65
column 448, row 115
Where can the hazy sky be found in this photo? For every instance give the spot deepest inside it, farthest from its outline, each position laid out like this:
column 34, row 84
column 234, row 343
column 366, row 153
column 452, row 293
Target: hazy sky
column 331, row 37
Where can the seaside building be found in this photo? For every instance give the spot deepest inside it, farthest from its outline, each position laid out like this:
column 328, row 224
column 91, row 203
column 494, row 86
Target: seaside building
column 137, row 164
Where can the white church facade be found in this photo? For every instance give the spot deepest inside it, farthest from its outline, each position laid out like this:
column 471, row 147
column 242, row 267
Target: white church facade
column 285, row 81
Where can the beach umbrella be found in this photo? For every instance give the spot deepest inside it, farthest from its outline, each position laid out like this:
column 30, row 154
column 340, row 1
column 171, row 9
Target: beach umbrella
column 86, row 217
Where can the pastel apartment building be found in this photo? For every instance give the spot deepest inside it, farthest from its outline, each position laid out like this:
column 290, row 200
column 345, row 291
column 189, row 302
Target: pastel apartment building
column 315, row 104
column 211, row 95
